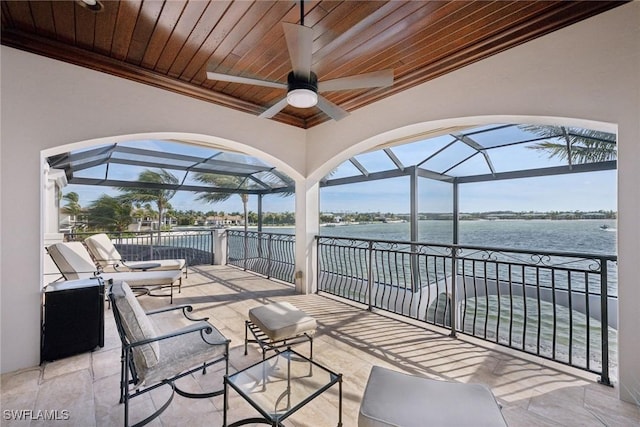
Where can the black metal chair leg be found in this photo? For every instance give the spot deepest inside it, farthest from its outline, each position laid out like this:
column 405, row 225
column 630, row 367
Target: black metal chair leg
column 246, row 336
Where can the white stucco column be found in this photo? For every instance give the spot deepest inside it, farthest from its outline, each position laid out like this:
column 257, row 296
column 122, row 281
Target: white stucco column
column 219, row 247
column 54, row 181
column 307, row 227
column 628, row 250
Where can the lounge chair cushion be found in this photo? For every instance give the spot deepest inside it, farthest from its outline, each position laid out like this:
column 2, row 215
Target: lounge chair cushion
column 137, row 327
column 102, row 250
column 394, row 399
column 73, row 260
column 145, row 278
column 106, row 254
column 282, row 320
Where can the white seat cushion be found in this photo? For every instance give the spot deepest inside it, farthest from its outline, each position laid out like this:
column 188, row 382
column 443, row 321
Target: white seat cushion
column 137, row 327
column 394, row 399
column 106, row 254
column 103, row 251
column 282, row 320
column 73, row 260
column 145, row 278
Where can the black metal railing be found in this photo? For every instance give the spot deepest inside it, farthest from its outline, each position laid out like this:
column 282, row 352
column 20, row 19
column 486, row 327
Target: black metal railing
column 269, row 254
column 556, row 305
column 196, row 246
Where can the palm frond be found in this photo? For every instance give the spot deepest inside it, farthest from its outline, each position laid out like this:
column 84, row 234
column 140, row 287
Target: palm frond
column 584, row 145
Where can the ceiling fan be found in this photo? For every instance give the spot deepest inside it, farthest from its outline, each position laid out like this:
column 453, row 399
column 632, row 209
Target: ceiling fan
column 302, row 84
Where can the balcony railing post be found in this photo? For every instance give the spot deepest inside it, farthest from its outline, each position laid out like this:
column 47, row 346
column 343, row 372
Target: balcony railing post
column 370, row 276
column 604, row 323
column 213, row 245
column 269, row 243
column 151, row 242
column 454, row 285
column 317, row 258
column 246, row 248
column 415, row 269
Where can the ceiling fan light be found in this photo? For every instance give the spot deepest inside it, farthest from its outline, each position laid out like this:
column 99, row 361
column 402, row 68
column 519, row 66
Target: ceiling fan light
column 302, row 98
column 92, row 5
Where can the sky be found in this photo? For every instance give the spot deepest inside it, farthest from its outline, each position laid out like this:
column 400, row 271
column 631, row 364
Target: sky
column 585, row 192
column 581, row 191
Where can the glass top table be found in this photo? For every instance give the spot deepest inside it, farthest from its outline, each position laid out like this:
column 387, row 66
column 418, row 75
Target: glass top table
column 279, row 386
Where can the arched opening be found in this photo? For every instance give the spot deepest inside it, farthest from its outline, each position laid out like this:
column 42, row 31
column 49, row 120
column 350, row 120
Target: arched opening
column 153, row 193
column 427, row 228
column 485, row 155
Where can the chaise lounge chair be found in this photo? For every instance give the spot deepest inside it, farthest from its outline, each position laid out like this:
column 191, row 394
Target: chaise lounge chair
column 74, row 262
column 106, row 255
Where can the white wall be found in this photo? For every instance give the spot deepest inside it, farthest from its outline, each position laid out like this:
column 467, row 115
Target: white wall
column 46, row 104
column 589, row 72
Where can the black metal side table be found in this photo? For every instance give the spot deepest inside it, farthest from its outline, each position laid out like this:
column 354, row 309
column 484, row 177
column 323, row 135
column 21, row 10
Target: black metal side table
column 145, row 266
column 279, row 386
column 73, row 318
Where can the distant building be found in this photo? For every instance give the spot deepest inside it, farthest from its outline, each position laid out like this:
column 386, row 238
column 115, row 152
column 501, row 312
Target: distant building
column 222, row 221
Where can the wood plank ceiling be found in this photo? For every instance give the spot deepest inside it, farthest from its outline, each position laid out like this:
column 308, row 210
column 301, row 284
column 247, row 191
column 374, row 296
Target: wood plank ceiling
column 168, row 44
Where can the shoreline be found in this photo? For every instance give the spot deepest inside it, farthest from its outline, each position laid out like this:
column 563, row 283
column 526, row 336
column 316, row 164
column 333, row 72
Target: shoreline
column 343, row 224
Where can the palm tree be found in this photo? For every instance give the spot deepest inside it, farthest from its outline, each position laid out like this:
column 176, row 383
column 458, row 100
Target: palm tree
column 159, row 196
column 580, row 145
column 110, row 213
column 223, row 181
column 72, row 208
column 73, row 204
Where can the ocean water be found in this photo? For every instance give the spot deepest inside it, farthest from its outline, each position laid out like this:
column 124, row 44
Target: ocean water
column 585, row 236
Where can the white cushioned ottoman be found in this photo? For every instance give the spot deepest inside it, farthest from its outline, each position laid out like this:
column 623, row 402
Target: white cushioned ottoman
column 279, row 322
column 395, row 399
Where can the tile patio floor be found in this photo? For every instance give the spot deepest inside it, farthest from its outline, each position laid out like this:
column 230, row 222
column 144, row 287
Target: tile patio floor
column 349, row 340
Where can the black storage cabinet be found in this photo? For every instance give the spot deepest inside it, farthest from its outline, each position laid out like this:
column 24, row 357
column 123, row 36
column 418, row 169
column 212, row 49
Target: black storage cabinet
column 73, row 318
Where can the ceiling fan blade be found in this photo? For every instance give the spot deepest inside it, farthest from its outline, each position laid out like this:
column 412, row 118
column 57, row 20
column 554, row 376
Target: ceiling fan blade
column 331, row 109
column 211, row 75
column 300, row 45
column 359, row 81
column 274, row 109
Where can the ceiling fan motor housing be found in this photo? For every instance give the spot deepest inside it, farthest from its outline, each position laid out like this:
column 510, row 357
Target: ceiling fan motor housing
column 294, row 82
